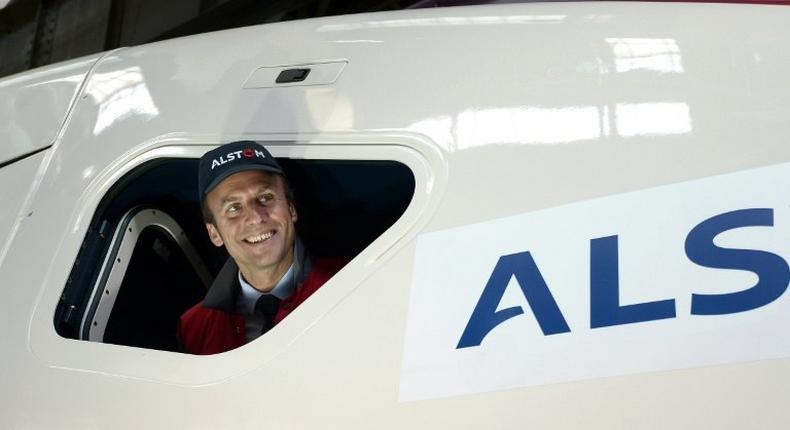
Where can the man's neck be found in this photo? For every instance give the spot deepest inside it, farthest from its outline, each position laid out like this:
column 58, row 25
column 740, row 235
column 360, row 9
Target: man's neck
column 265, row 280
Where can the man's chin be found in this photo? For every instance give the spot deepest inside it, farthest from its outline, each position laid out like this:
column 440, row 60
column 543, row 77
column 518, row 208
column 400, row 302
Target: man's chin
column 267, row 261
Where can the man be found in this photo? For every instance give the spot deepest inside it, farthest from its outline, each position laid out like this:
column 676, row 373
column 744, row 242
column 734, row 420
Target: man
column 248, row 208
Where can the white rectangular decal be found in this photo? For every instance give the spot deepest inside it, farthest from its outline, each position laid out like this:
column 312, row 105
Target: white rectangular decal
column 683, row 275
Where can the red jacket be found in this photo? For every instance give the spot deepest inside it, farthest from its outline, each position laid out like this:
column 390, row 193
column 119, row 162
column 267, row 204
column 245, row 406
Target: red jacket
column 213, row 326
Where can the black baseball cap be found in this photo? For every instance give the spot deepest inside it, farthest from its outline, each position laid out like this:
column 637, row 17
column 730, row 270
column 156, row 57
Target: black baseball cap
column 234, row 157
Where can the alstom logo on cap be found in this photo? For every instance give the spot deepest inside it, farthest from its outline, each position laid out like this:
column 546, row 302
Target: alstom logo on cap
column 237, row 155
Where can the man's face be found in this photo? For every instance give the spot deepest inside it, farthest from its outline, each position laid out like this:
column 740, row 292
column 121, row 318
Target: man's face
column 255, row 222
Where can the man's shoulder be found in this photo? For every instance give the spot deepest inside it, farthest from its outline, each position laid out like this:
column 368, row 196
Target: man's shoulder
column 322, row 270
column 204, row 330
column 200, row 313
column 197, row 318
column 196, row 312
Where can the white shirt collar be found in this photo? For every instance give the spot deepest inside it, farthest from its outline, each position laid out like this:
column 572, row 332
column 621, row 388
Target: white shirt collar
column 284, row 288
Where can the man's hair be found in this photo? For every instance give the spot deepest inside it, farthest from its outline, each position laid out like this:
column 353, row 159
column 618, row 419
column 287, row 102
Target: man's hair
column 208, row 217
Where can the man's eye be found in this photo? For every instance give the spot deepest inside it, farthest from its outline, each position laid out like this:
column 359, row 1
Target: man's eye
column 266, row 198
column 232, row 210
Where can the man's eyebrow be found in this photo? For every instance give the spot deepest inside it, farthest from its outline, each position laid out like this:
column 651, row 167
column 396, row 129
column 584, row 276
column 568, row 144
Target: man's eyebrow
column 228, row 199
column 236, row 197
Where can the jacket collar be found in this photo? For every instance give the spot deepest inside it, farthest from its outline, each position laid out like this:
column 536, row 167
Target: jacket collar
column 225, row 289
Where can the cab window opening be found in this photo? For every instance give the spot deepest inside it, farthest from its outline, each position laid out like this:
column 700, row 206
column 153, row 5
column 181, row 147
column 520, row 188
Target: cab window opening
column 343, row 206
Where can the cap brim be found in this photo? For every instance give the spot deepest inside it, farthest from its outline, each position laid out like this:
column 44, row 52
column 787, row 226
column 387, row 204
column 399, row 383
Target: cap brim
column 237, row 169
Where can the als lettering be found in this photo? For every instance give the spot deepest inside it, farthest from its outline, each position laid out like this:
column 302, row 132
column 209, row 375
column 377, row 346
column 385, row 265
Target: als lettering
column 605, row 308
column 485, row 316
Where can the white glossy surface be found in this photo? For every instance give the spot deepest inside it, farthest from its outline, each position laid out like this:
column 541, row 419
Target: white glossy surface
column 16, row 181
column 499, row 111
column 34, row 105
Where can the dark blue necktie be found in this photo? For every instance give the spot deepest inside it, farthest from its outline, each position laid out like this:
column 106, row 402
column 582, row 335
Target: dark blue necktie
column 266, row 307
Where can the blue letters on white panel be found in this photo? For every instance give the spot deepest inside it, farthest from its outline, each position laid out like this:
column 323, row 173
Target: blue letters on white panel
column 683, row 275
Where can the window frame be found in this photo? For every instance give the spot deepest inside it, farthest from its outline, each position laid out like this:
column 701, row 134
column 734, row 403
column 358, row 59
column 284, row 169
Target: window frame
column 415, row 151
column 116, row 261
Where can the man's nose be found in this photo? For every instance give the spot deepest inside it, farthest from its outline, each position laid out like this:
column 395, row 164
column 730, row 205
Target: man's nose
column 258, row 214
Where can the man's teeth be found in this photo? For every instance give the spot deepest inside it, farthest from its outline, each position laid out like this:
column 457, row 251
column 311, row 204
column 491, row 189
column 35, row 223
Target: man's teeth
column 259, row 238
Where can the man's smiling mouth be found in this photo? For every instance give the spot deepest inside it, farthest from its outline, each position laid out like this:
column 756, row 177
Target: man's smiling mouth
column 259, row 238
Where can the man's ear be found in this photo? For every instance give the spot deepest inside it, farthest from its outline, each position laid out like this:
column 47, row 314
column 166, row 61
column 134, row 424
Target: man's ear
column 213, row 235
column 292, row 210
